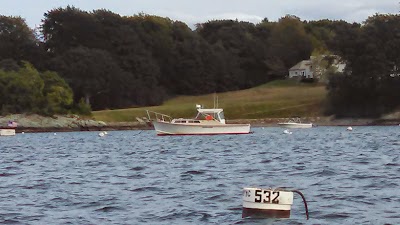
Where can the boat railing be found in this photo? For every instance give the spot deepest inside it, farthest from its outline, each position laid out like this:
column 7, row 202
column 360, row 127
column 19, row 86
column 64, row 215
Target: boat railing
column 158, row 116
column 295, row 120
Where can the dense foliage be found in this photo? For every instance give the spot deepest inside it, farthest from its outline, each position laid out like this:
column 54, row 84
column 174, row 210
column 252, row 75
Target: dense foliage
column 370, row 86
column 117, row 62
column 27, row 90
column 113, row 61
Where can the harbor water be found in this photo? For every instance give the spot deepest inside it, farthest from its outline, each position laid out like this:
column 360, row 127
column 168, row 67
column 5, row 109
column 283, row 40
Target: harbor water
column 136, row 177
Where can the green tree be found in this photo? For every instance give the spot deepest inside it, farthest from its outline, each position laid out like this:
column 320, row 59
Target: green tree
column 9, row 65
column 289, row 41
column 241, row 50
column 25, row 90
column 322, row 32
column 58, row 95
column 70, row 27
column 18, row 42
column 89, row 72
column 22, row 90
column 369, row 86
column 15, row 37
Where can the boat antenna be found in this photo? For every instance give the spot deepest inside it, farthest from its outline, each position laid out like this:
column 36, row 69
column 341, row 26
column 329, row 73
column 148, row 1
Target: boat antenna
column 215, row 100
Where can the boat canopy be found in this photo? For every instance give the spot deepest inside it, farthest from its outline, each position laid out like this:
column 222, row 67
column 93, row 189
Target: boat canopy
column 211, row 114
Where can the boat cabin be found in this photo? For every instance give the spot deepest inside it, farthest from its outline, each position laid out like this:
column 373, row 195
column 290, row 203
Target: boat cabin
column 203, row 115
column 211, row 114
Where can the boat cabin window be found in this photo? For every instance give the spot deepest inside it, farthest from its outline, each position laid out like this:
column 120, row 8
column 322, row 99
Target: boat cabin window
column 194, row 121
column 180, row 121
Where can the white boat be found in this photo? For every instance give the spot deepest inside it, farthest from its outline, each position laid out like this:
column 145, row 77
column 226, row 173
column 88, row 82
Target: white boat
column 207, row 122
column 295, row 123
column 7, row 131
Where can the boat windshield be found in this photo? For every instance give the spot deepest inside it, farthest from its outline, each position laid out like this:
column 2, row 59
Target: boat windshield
column 294, row 120
column 221, row 115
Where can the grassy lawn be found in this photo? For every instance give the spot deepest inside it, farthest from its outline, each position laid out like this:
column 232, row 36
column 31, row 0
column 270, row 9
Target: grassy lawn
column 274, row 99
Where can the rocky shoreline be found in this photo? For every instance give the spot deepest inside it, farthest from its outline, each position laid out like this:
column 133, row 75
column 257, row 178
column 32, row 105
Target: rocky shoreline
column 37, row 123
column 61, row 123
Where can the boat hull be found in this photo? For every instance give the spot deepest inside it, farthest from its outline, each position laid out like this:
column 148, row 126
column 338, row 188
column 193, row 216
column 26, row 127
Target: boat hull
column 7, row 132
column 295, row 125
column 166, row 128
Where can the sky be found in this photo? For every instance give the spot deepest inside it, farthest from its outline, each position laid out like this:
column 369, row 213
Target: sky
column 192, row 11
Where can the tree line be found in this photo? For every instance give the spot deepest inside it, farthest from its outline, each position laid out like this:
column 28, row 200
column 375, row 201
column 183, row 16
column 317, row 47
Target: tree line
column 111, row 61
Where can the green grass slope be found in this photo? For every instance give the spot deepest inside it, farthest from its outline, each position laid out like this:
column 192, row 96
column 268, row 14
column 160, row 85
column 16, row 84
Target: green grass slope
column 272, row 100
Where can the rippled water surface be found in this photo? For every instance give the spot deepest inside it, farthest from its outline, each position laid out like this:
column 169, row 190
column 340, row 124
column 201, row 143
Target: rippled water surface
column 136, row 177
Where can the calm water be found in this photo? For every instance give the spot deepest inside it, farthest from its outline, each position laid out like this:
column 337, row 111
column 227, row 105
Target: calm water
column 136, row 177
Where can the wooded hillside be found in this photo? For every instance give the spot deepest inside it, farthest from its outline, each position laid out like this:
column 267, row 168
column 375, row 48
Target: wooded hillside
column 111, row 61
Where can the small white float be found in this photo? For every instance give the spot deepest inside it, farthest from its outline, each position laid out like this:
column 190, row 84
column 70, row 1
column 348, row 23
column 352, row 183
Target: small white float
column 101, row 134
column 268, row 203
column 287, row 132
column 349, row 129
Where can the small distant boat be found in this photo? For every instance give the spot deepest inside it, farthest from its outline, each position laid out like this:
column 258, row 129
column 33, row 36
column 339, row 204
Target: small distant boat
column 295, row 123
column 9, row 130
column 207, row 122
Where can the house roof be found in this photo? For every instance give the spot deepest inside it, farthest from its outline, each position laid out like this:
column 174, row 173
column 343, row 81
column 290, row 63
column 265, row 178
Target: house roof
column 302, row 65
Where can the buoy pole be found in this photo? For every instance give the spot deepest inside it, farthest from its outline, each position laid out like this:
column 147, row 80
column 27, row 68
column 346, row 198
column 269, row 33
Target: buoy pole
column 304, row 201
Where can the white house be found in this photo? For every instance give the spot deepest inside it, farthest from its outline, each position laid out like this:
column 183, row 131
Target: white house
column 303, row 69
column 316, row 67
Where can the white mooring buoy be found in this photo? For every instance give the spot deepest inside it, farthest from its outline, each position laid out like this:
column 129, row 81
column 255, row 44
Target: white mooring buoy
column 349, row 128
column 269, row 203
column 287, row 132
column 101, row 134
